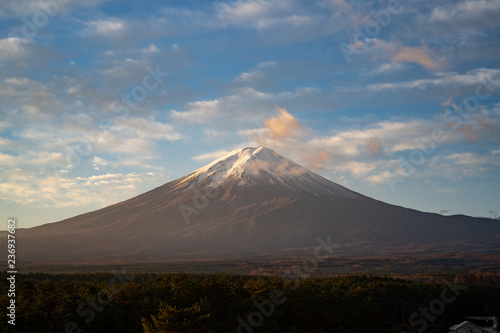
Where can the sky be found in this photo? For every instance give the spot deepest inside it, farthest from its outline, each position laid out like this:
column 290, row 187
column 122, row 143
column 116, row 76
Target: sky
column 103, row 100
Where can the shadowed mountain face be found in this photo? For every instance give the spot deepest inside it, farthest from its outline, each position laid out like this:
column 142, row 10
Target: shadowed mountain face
column 248, row 202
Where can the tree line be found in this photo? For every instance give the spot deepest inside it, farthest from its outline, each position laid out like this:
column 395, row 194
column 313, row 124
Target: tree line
column 153, row 303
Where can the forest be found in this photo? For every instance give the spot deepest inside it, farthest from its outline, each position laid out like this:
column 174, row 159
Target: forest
column 186, row 302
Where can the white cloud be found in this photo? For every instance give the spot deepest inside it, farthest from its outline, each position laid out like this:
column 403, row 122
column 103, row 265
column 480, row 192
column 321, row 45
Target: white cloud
column 72, row 144
column 5, row 142
column 357, row 168
column 13, row 48
column 18, row 8
column 388, row 68
column 251, row 76
column 23, row 95
column 98, row 163
column 490, row 76
column 468, row 159
column 212, row 155
column 462, row 165
column 393, row 136
column 30, row 158
column 198, row 112
column 256, row 74
column 421, row 55
column 152, row 48
column 259, row 14
column 111, row 27
column 146, row 128
column 343, row 10
column 23, row 187
column 244, row 105
column 468, row 10
column 3, row 124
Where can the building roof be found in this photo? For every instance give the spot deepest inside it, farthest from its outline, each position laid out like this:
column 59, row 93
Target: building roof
column 482, row 321
column 462, row 324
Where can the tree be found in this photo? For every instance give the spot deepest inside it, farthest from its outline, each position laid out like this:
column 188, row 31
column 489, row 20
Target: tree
column 171, row 319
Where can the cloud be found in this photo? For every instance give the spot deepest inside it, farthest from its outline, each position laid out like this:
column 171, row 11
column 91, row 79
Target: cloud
column 18, row 8
column 262, row 76
column 258, row 14
column 24, row 188
column 212, row 155
column 146, row 128
column 30, row 159
column 374, row 145
column 245, row 105
column 98, row 163
column 469, row 133
column 357, row 168
column 468, row 159
column 315, row 160
column 70, row 145
column 277, row 21
column 344, row 11
column 488, row 76
column 396, row 135
column 461, row 165
column 13, row 48
column 376, row 50
column 152, row 48
column 256, row 165
column 251, row 76
column 106, row 28
column 284, row 132
column 197, row 112
column 27, row 97
column 283, row 126
column 387, row 68
column 421, row 55
column 379, row 178
column 477, row 12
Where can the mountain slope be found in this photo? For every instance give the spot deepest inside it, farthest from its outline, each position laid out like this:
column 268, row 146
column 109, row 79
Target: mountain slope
column 250, row 201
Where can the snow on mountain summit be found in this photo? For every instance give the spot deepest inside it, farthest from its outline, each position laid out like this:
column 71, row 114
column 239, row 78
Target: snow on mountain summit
column 251, row 166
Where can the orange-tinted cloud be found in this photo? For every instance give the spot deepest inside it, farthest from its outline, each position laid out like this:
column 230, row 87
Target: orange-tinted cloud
column 283, row 126
column 284, row 132
column 485, row 122
column 374, row 145
column 314, row 161
column 420, row 55
column 470, row 135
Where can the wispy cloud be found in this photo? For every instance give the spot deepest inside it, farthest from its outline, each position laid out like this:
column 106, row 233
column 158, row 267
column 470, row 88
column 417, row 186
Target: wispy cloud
column 259, row 14
column 283, row 126
column 27, row 188
column 470, row 78
column 421, row 55
column 28, row 97
column 483, row 11
column 212, row 155
column 13, row 48
column 18, row 8
column 108, row 27
column 197, row 112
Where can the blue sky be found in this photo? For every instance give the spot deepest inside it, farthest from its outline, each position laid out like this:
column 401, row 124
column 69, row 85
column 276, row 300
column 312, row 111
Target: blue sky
column 103, row 100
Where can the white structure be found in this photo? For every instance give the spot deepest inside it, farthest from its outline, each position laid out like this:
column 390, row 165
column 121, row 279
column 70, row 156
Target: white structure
column 488, row 324
column 465, row 327
column 476, row 324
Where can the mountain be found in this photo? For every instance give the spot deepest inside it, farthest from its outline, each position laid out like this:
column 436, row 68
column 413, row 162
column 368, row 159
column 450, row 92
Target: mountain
column 250, row 201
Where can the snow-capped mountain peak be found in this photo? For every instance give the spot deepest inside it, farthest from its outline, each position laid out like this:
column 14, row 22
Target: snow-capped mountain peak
column 251, row 166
